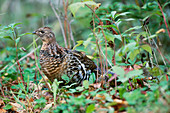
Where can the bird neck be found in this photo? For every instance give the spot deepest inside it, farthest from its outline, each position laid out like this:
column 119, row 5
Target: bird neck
column 48, row 47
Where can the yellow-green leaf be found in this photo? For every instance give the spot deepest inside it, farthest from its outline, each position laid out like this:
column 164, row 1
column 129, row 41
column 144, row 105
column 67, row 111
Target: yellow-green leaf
column 147, row 48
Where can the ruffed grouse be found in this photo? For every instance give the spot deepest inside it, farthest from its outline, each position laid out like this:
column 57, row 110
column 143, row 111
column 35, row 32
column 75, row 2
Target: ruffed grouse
column 56, row 61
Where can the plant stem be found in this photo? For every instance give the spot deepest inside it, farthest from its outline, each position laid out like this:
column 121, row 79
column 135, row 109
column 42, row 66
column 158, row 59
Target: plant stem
column 61, row 26
column 164, row 18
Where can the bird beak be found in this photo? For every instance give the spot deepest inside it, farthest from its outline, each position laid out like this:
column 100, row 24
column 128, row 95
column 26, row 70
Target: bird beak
column 34, row 32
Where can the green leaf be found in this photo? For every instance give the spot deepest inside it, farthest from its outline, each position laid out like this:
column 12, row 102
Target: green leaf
column 112, row 92
column 86, row 84
column 17, row 40
column 109, row 36
column 8, row 106
column 25, row 34
column 41, row 100
column 113, row 13
column 147, row 48
column 13, row 25
column 133, row 73
column 134, row 97
column 55, row 88
column 90, row 108
column 150, row 37
column 108, row 97
column 78, row 44
column 79, row 88
column 122, row 14
column 87, row 42
column 130, row 74
column 133, row 54
column 129, row 47
column 118, row 70
column 75, row 6
column 16, row 24
column 92, row 78
column 133, row 28
column 118, row 37
column 165, row 4
column 66, row 78
column 8, row 37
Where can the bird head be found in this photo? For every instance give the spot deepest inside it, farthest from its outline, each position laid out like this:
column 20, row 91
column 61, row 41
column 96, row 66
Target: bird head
column 45, row 34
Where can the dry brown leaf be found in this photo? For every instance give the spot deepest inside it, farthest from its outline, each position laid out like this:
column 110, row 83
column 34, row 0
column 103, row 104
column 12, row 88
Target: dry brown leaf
column 161, row 30
column 48, row 106
column 1, row 103
column 100, row 97
column 121, row 102
column 16, row 107
column 3, row 111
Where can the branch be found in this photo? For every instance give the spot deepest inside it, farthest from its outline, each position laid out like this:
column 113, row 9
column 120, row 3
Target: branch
column 57, row 16
column 164, row 18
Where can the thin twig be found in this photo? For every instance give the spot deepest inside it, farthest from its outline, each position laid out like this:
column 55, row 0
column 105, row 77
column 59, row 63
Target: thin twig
column 93, row 12
column 43, row 77
column 61, row 26
column 19, row 66
column 101, row 66
column 71, row 33
column 21, row 58
column 2, row 90
column 102, row 33
column 150, row 57
column 164, row 18
column 105, row 49
column 131, row 84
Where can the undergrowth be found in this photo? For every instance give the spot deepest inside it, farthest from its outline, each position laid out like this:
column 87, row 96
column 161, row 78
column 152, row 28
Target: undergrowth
column 123, row 40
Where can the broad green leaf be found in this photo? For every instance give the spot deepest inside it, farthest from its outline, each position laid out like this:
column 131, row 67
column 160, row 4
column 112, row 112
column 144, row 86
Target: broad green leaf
column 17, row 24
column 133, row 73
column 106, row 26
column 87, row 42
column 129, row 47
column 17, row 40
column 144, row 34
column 133, row 54
column 165, row 4
column 112, row 92
column 147, row 48
column 150, row 37
column 118, row 37
column 113, row 14
column 108, row 97
column 133, row 28
column 92, row 78
column 122, row 14
column 109, row 36
column 54, row 89
column 8, row 37
column 78, row 44
column 79, row 88
column 75, row 6
column 86, row 84
column 130, row 74
column 13, row 25
column 90, row 108
column 25, row 34
column 118, row 70
column 66, row 78
column 8, row 106
column 134, row 97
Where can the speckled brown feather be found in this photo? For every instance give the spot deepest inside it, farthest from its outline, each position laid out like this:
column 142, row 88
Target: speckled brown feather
column 56, row 61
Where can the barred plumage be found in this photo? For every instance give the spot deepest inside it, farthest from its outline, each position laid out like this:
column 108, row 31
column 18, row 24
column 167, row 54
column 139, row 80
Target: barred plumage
column 56, row 60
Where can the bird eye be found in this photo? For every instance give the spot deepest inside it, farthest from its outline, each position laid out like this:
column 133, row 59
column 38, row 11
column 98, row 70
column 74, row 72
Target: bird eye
column 41, row 31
